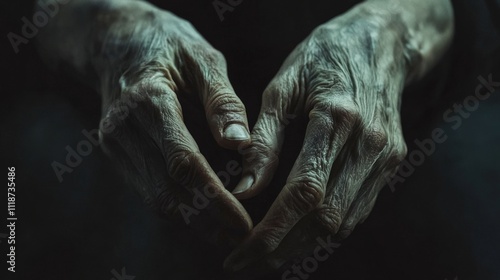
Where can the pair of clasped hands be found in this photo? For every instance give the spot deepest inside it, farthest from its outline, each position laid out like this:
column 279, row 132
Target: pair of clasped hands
column 347, row 77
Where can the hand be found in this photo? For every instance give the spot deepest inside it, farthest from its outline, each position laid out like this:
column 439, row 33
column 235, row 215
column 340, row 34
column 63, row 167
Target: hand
column 347, row 77
column 143, row 60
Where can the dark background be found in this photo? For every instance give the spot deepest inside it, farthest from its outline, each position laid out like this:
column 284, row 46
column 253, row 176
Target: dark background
column 442, row 223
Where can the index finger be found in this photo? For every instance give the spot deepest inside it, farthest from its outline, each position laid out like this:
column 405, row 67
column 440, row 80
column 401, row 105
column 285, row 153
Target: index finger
column 158, row 111
column 305, row 187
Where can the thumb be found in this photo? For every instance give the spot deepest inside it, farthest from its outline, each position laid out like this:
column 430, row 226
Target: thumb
column 225, row 113
column 279, row 105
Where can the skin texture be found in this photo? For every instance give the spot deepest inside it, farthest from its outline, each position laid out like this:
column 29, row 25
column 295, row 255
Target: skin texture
column 347, row 77
column 141, row 59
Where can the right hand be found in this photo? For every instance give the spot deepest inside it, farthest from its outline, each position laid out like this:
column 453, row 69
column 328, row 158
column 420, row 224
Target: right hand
column 144, row 58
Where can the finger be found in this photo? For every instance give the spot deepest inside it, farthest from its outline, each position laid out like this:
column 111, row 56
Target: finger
column 358, row 212
column 310, row 238
column 305, row 246
column 161, row 116
column 367, row 195
column 311, row 242
column 188, row 167
column 357, row 182
column 305, row 187
column 144, row 167
column 349, row 176
column 260, row 160
column 225, row 113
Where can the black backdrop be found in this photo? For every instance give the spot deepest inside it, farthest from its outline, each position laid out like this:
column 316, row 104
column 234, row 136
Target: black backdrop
column 440, row 224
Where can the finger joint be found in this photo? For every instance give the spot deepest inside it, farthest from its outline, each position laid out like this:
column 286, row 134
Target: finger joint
column 306, row 195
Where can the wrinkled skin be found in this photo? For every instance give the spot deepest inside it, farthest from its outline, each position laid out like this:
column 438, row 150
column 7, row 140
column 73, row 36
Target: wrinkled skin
column 143, row 59
column 347, row 77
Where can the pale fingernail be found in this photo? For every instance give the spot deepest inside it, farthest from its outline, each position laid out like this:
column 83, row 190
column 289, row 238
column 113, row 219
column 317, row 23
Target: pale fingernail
column 245, row 183
column 236, row 132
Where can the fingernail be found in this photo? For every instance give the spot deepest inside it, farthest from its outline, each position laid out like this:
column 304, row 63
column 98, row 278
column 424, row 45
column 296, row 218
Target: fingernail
column 236, row 132
column 245, row 183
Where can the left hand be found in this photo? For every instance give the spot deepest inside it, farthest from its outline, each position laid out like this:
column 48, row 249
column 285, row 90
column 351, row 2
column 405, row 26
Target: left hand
column 348, row 77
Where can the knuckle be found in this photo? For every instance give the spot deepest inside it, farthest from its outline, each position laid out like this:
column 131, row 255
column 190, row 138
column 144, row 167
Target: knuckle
column 214, row 55
column 272, row 92
column 267, row 242
column 260, row 155
column 376, row 139
column 166, row 202
column 306, row 195
column 344, row 232
column 152, row 85
column 222, row 103
column 360, row 33
column 322, row 112
column 401, row 149
column 344, row 114
column 329, row 218
column 322, row 31
column 282, row 89
column 111, row 127
column 207, row 53
column 398, row 153
column 275, row 88
column 153, row 106
column 180, row 165
column 186, row 24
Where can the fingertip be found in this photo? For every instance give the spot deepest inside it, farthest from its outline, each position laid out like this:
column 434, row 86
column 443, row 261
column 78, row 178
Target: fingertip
column 229, row 212
column 253, row 182
column 231, row 136
column 236, row 132
column 227, row 120
column 243, row 186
